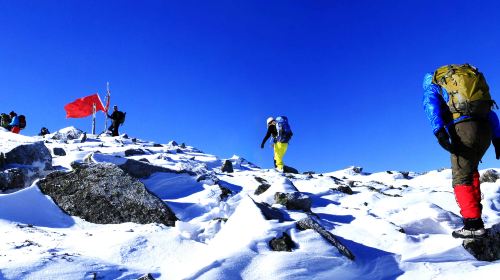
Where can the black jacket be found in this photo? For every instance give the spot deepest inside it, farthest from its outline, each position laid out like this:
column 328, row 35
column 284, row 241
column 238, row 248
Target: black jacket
column 271, row 131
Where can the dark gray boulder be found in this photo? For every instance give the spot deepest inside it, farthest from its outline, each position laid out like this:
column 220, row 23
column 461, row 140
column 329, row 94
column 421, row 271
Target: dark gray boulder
column 146, row 277
column 262, row 188
column 271, row 213
column 294, row 201
column 30, row 154
column 343, row 189
column 487, row 248
column 283, row 243
column 310, row 223
column 490, row 176
column 289, row 169
column 103, row 193
column 12, row 178
column 69, row 133
column 140, row 169
column 59, row 151
column 208, row 178
column 134, row 152
column 227, row 166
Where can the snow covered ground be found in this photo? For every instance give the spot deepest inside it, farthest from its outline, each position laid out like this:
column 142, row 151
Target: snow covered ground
column 398, row 225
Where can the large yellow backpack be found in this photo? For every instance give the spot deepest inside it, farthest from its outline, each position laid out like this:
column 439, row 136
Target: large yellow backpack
column 469, row 94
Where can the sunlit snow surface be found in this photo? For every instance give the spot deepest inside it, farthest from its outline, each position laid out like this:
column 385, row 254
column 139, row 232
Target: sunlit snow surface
column 398, row 227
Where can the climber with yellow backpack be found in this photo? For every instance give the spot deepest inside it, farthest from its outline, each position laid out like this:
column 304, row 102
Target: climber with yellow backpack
column 458, row 103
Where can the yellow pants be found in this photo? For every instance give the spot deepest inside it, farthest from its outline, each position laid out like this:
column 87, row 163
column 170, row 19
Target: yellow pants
column 279, row 153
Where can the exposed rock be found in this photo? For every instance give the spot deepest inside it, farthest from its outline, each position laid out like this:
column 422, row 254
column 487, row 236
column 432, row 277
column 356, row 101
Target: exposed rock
column 271, row 213
column 289, row 169
column 134, row 152
column 293, row 201
column 208, row 178
column 262, row 188
column 485, row 249
column 225, row 192
column 310, row 223
column 12, row 178
column 173, row 143
column 146, row 277
column 35, row 154
column 156, row 145
column 309, row 173
column 357, row 169
column 343, row 189
column 103, row 193
column 183, row 145
column 490, row 176
column 227, row 166
column 59, row 151
column 284, row 243
column 139, row 169
column 260, row 180
column 65, row 134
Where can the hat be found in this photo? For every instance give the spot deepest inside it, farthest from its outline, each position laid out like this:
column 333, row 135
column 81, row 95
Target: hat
column 269, row 120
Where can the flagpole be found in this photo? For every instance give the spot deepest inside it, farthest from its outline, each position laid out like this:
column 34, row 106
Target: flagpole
column 93, row 118
column 108, row 96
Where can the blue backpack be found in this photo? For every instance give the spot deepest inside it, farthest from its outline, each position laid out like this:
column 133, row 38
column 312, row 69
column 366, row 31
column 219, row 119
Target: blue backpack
column 284, row 130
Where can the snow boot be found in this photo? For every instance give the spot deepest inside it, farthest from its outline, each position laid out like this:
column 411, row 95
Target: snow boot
column 473, row 228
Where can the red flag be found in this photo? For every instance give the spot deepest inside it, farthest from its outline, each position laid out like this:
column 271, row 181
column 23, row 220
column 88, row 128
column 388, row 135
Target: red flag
column 82, row 107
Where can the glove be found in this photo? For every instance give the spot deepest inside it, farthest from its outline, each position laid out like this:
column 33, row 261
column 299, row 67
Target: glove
column 496, row 144
column 444, row 140
column 262, row 146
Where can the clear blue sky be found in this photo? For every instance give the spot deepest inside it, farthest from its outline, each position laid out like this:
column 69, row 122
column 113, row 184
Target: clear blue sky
column 348, row 74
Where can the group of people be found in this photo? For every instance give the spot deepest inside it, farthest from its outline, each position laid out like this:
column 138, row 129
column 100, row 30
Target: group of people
column 12, row 122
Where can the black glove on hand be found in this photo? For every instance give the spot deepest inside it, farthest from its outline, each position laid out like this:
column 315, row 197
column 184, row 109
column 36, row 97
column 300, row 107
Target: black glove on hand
column 262, row 146
column 496, row 144
column 444, row 140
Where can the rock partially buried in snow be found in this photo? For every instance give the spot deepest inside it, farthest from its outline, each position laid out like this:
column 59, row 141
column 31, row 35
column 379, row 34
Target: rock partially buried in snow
column 68, row 133
column 134, row 152
column 490, row 176
column 310, row 223
column 487, row 248
column 34, row 154
column 59, row 151
column 284, row 243
column 105, row 194
column 22, row 163
column 12, row 179
column 135, row 168
column 294, row 201
column 227, row 166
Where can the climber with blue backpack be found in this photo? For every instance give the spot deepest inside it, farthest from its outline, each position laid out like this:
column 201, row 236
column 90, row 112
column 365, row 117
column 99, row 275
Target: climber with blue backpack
column 281, row 132
column 458, row 104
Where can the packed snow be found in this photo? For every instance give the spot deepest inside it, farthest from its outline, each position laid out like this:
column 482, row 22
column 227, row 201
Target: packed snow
column 397, row 224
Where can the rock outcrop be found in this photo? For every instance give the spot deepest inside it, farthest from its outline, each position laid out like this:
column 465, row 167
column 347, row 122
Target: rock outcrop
column 284, row 243
column 294, row 201
column 227, row 166
column 22, row 164
column 487, row 248
column 490, row 176
column 310, row 223
column 103, row 193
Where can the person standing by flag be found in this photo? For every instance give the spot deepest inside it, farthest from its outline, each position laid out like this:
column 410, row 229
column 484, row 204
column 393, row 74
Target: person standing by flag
column 117, row 117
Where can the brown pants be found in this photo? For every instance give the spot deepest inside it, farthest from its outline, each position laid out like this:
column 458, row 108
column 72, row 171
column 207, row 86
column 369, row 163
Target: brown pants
column 472, row 139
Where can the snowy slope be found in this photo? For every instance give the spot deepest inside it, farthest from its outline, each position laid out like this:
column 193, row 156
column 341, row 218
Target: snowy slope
column 398, row 225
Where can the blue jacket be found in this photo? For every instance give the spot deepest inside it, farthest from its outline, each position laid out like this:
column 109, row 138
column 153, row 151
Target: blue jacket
column 437, row 111
column 15, row 121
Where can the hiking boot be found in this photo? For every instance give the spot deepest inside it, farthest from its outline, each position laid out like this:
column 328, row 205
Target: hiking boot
column 469, row 233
